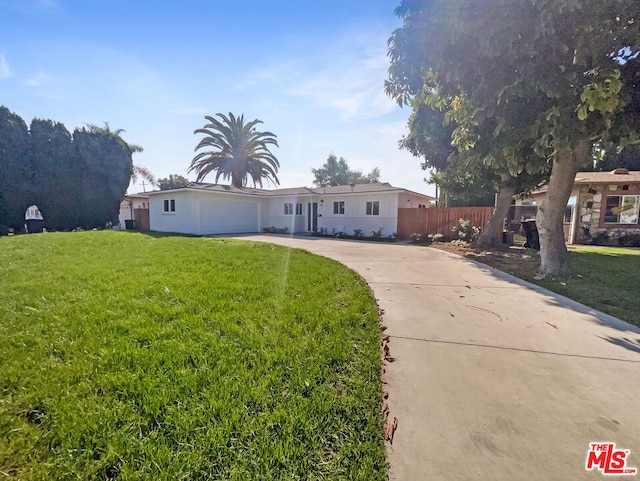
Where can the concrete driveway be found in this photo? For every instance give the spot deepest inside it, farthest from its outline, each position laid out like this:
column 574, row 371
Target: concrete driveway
column 493, row 379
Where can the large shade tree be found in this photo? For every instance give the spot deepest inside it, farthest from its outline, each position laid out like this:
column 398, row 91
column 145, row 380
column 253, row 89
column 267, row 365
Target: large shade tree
column 628, row 159
column 174, row 181
column 235, row 150
column 470, row 154
column 337, row 172
column 569, row 67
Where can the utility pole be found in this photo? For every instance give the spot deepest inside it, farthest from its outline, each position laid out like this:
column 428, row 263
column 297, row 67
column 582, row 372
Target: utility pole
column 143, row 184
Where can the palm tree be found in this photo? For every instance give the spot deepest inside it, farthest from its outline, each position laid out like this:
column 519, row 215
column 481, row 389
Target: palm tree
column 140, row 172
column 235, row 150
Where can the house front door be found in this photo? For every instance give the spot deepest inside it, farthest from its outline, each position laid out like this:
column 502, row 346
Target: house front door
column 312, row 216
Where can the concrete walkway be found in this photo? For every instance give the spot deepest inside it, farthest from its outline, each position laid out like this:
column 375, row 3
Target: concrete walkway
column 494, row 380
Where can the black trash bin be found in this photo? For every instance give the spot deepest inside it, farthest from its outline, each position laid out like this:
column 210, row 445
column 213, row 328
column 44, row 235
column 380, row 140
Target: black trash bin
column 531, row 232
column 130, row 224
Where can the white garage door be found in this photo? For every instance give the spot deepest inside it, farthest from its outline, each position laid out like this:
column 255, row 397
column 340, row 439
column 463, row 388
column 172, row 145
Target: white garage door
column 228, row 217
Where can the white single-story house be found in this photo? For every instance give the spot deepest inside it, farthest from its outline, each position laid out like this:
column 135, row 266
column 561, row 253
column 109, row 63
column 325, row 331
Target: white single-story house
column 205, row 209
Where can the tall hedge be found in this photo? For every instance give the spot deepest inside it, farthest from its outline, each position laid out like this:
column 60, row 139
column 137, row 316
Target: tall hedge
column 76, row 180
column 15, row 171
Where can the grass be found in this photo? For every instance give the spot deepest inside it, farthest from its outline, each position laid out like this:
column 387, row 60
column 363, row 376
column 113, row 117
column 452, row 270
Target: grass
column 126, row 356
column 607, row 278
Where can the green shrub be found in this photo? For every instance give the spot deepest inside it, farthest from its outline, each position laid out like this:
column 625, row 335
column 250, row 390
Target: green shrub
column 276, row 230
column 629, row 240
column 416, row 238
column 466, row 231
column 377, row 234
column 600, row 239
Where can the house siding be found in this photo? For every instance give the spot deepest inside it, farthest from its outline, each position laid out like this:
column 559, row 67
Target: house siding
column 355, row 217
column 591, row 200
column 185, row 218
column 407, row 200
column 277, row 218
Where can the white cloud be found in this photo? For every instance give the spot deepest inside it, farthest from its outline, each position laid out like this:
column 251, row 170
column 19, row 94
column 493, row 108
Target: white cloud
column 31, row 6
column 346, row 77
column 393, row 129
column 39, row 79
column 200, row 111
column 5, row 70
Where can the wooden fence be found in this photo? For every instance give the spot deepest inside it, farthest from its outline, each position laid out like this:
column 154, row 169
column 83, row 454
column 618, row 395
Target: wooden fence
column 141, row 217
column 441, row 220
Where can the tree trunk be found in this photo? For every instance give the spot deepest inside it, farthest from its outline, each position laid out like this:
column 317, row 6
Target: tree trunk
column 491, row 235
column 554, row 259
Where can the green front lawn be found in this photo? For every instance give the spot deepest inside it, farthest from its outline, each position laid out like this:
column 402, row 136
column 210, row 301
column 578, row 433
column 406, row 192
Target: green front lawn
column 608, row 279
column 130, row 356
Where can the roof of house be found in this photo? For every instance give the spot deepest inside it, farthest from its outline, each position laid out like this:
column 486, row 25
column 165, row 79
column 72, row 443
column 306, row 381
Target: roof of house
column 137, row 196
column 328, row 190
column 617, row 176
column 215, row 188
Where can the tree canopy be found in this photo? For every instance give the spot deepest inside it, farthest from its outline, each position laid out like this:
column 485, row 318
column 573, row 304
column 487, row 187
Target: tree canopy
column 337, row 172
column 235, row 150
column 542, row 80
column 472, row 159
column 628, row 159
column 76, row 180
column 172, row 182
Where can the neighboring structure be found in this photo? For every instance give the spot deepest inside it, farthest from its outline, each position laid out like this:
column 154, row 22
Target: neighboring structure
column 33, row 219
column 134, row 212
column 603, row 208
column 205, row 209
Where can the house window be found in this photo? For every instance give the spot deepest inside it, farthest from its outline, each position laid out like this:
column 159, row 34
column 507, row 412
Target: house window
column 299, row 208
column 338, row 207
column 622, row 209
column 169, row 205
column 288, row 208
column 373, row 207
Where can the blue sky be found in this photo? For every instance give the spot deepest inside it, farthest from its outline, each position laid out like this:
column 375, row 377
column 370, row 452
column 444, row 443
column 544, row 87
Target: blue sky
column 312, row 71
